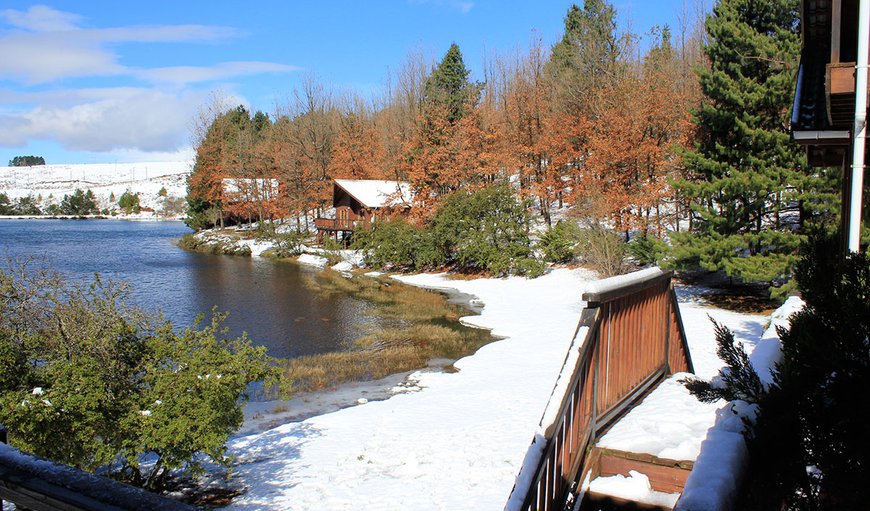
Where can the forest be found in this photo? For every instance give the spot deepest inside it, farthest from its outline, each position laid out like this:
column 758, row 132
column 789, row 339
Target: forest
column 679, row 135
column 648, row 136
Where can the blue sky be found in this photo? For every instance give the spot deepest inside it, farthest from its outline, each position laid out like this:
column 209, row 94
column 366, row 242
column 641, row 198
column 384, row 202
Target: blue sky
column 110, row 81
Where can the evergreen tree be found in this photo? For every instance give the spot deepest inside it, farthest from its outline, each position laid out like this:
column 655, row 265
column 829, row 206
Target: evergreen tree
column 745, row 173
column 809, row 447
column 448, row 85
column 79, row 203
column 26, row 206
column 26, row 161
column 585, row 59
column 5, row 205
column 129, row 202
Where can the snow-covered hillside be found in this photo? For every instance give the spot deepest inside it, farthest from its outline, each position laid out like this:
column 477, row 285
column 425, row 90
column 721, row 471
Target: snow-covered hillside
column 49, row 183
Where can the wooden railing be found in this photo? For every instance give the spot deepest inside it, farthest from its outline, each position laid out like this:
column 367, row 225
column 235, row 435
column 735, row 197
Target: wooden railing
column 336, row 224
column 38, row 484
column 629, row 338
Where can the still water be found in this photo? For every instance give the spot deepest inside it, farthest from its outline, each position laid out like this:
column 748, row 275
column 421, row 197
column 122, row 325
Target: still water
column 265, row 298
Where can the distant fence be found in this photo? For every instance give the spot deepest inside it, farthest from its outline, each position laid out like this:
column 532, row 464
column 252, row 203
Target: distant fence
column 41, row 485
column 632, row 338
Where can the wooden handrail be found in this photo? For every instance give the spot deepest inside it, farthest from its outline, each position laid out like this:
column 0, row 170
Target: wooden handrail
column 629, row 337
column 39, row 484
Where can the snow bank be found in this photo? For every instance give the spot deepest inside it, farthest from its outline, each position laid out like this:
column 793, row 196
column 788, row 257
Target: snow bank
column 456, row 444
column 313, row 260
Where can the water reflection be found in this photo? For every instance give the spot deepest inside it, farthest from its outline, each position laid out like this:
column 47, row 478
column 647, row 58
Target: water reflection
column 266, row 299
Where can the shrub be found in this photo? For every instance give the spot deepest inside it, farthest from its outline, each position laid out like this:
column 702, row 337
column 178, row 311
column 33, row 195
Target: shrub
column 646, row 250
column 809, row 447
column 288, row 244
column 93, row 383
column 396, row 243
column 603, row 249
column 559, row 243
column 486, row 230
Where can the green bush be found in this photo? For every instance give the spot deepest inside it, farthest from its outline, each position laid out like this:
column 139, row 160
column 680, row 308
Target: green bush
column 814, row 413
column 90, row 382
column 395, row 243
column 559, row 243
column 486, row 230
column 129, row 202
column 288, row 244
column 646, row 250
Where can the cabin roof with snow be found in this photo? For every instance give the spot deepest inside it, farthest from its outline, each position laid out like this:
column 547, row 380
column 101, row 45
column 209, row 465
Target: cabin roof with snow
column 372, row 193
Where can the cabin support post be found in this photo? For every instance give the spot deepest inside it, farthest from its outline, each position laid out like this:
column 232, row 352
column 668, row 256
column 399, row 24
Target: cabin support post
column 859, row 131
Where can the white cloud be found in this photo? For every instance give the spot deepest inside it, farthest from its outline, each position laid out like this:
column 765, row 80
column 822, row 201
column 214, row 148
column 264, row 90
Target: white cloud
column 222, row 71
column 140, row 121
column 45, row 57
column 130, row 119
column 40, row 18
column 50, row 45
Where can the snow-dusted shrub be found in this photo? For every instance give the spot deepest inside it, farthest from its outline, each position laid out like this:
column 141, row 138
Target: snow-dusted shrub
column 809, row 447
column 87, row 381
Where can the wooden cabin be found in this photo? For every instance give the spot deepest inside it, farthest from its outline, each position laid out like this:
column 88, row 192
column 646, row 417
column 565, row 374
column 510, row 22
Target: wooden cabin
column 824, row 114
column 358, row 202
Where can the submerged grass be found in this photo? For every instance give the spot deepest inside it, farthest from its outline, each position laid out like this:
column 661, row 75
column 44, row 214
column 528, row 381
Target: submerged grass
column 426, row 327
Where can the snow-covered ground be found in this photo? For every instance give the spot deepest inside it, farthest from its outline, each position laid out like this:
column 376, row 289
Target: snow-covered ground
column 49, row 183
column 458, row 443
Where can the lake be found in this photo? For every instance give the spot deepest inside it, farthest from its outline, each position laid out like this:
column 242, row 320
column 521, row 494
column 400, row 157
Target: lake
column 265, row 298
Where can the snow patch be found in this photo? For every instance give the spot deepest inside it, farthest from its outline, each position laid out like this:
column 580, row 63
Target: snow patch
column 313, row 260
column 635, row 488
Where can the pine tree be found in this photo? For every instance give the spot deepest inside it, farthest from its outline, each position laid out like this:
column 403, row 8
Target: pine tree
column 746, row 174
column 448, row 85
column 586, row 58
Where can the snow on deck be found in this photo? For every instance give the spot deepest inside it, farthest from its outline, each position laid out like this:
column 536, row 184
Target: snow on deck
column 457, row 444
column 671, row 423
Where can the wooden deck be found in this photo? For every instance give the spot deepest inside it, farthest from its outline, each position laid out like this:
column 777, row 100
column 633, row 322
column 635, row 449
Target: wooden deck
column 632, row 339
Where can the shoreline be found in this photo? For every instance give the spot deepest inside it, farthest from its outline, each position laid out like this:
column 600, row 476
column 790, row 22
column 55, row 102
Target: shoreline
column 262, row 415
column 132, row 218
